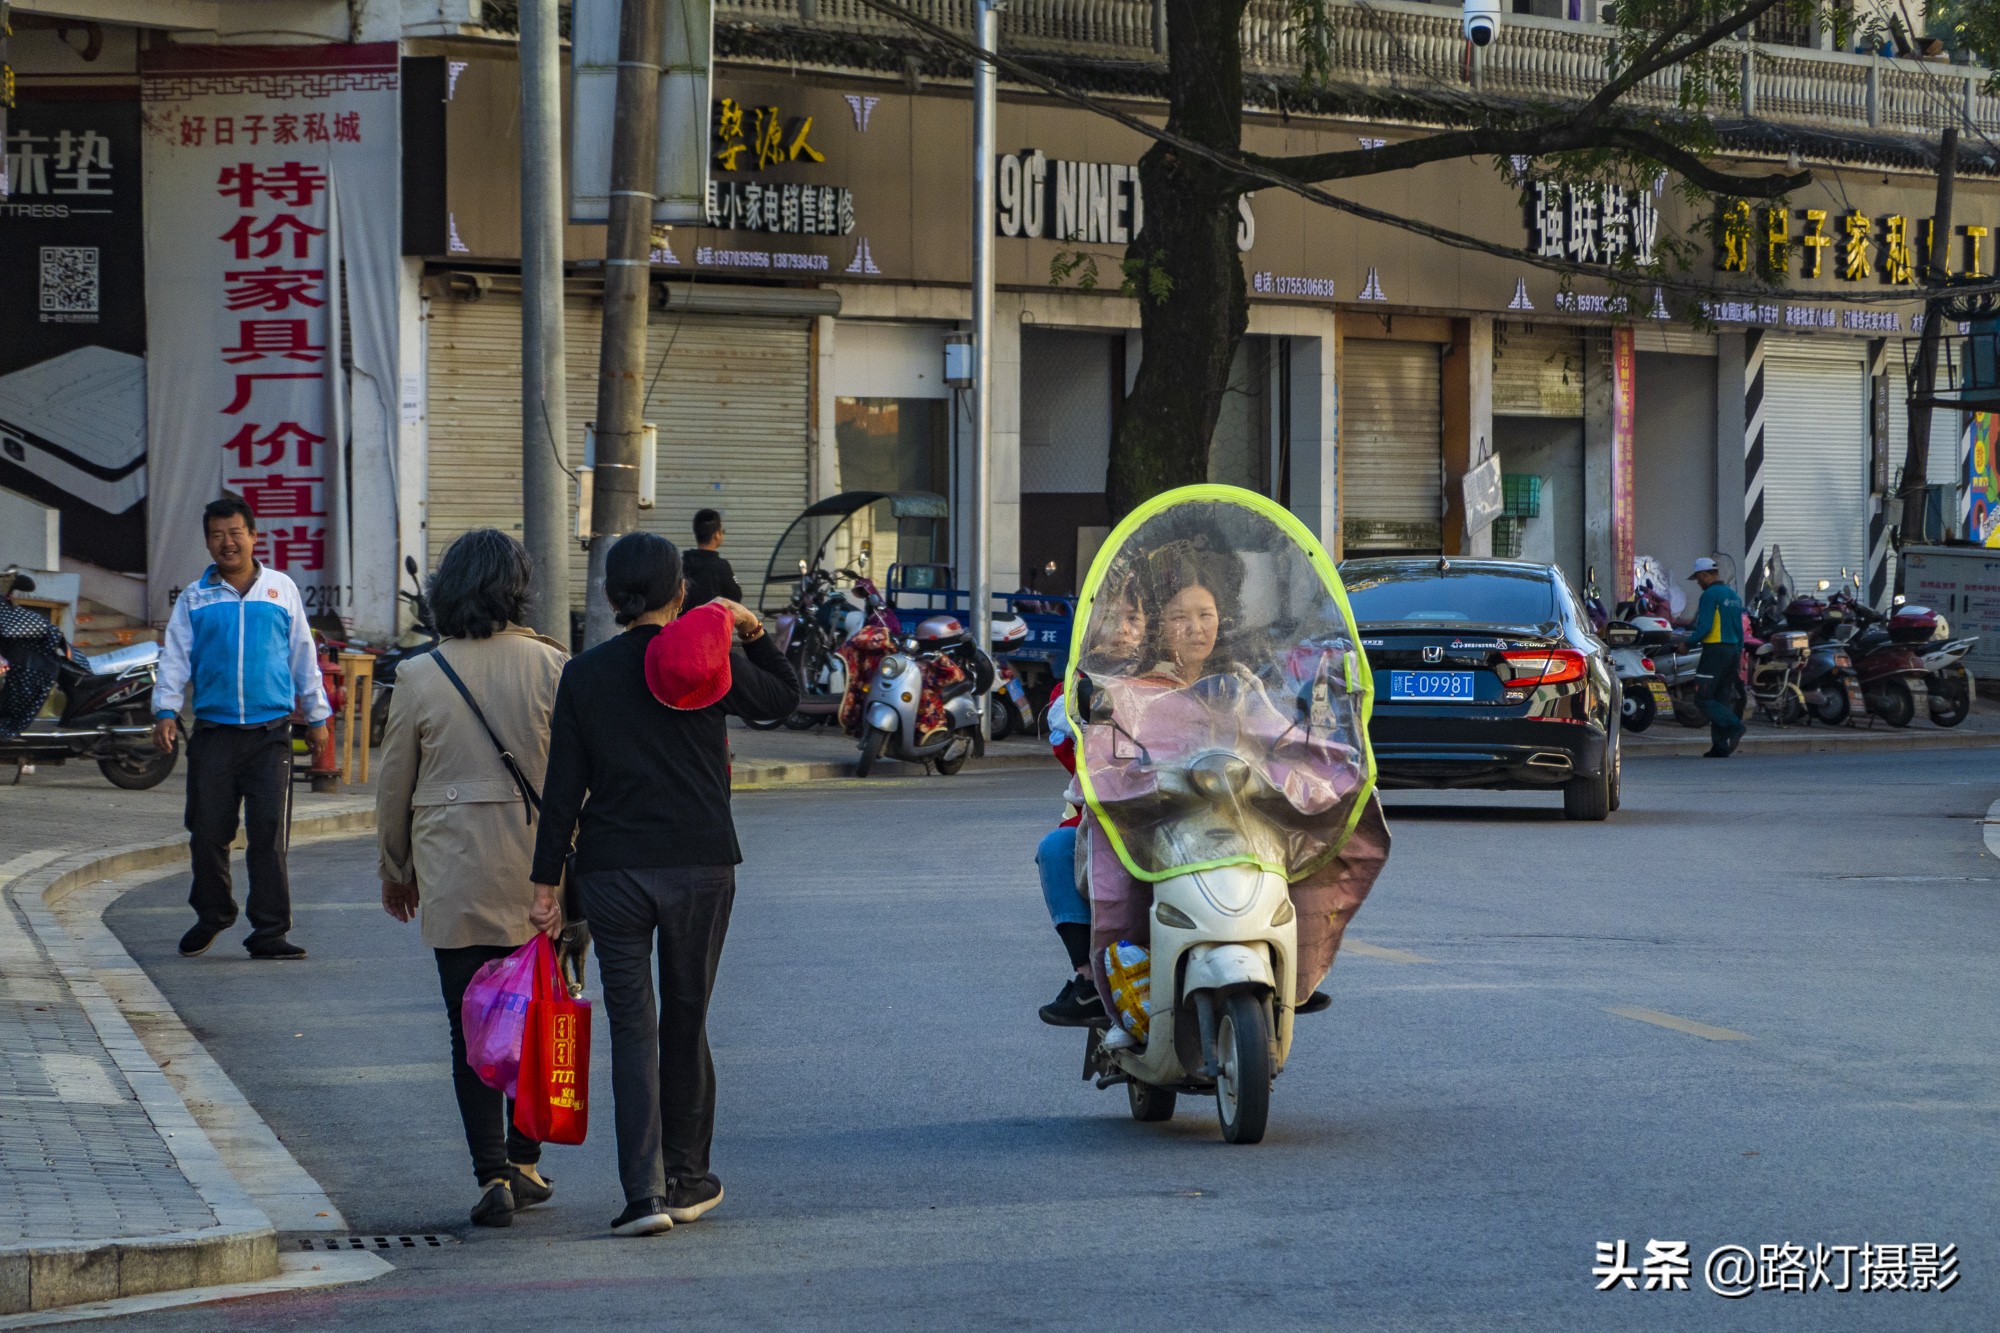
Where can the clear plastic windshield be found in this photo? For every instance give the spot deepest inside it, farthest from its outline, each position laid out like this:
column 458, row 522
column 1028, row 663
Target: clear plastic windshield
column 1221, row 691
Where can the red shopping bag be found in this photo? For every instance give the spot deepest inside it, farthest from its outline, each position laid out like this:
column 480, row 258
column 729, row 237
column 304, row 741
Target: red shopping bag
column 552, row 1096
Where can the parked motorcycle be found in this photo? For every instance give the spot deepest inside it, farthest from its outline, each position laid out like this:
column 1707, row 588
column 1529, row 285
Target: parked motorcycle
column 1008, row 709
column 107, row 712
column 1831, row 686
column 1894, row 681
column 820, row 617
column 939, row 657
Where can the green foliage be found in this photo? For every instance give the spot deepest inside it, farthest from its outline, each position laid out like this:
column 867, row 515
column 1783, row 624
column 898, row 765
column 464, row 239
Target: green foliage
column 1311, row 25
column 1969, row 25
column 1139, row 275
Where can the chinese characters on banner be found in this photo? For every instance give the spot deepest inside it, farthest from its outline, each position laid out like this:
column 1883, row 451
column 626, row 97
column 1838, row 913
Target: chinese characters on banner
column 1624, row 419
column 253, row 156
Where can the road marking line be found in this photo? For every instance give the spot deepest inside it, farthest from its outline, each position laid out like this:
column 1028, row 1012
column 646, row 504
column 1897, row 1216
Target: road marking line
column 1387, row 955
column 1687, row 1025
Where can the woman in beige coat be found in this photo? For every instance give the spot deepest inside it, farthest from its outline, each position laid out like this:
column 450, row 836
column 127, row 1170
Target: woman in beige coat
column 456, row 830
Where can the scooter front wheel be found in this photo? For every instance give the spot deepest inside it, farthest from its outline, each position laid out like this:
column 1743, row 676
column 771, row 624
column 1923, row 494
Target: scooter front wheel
column 871, row 750
column 1150, row 1103
column 1243, row 1049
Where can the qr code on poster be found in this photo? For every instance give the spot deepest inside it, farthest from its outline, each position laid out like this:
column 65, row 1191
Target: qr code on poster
column 69, row 279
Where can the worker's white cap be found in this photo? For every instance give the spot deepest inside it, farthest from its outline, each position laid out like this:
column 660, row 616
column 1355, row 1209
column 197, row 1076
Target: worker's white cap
column 1703, row 566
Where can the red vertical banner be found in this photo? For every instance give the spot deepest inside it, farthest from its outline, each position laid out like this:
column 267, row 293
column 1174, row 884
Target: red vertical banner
column 1624, row 392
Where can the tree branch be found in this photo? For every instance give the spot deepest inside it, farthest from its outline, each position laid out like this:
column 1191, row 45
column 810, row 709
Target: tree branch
column 1530, row 141
column 1657, row 56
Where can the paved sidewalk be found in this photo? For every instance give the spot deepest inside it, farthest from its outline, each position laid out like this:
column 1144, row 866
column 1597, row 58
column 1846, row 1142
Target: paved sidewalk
column 1982, row 728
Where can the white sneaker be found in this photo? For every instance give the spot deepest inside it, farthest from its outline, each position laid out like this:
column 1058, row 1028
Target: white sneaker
column 1118, row 1039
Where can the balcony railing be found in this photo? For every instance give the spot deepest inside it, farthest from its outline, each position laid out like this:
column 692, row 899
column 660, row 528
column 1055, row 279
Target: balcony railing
column 1419, row 47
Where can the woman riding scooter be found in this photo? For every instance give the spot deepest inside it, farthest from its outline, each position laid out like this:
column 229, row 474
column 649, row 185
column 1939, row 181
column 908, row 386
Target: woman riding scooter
column 1231, row 827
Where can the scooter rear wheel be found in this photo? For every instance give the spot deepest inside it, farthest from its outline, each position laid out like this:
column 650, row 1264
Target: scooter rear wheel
column 138, row 769
column 1832, row 707
column 1639, row 710
column 955, row 754
column 1951, row 698
column 1149, row 1103
column 1893, row 702
column 1243, row 1049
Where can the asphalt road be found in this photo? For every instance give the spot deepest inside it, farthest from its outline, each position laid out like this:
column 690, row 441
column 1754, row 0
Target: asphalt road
column 905, row 1146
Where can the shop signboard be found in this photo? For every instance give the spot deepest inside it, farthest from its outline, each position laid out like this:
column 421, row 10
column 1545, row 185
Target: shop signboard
column 73, row 307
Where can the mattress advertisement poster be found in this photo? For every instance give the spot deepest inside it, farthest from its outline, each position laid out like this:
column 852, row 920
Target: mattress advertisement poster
column 73, row 311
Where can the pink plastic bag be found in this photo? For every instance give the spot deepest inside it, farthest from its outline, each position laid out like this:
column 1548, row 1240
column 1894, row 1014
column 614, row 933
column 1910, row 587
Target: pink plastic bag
column 495, row 1013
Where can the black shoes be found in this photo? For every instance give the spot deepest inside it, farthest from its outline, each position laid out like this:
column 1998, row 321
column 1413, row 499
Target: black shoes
column 1318, row 1002
column 495, row 1207
column 529, row 1190
column 1076, row 1005
column 280, row 950
column 646, row 1217
column 689, row 1199
column 199, row 937
column 1715, row 752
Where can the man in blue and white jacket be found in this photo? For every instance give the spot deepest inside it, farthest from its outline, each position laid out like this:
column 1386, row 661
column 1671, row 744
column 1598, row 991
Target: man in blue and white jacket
column 239, row 636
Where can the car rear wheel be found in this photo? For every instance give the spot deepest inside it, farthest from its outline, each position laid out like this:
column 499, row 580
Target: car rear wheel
column 1594, row 798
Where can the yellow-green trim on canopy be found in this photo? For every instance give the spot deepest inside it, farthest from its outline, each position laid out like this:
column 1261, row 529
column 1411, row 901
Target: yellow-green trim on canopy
column 1100, row 566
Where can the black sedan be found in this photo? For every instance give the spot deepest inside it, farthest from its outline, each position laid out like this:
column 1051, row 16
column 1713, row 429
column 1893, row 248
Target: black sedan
column 1486, row 675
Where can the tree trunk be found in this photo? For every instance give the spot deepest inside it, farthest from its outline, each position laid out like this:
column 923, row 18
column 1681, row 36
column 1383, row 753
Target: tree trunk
column 1189, row 235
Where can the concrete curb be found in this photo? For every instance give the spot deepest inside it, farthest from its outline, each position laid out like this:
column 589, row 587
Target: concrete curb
column 243, row 1246
column 751, row 774
column 1820, row 740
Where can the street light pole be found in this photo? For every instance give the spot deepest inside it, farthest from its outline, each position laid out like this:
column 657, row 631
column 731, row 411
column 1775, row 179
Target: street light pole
column 621, row 380
column 984, row 137
column 544, row 400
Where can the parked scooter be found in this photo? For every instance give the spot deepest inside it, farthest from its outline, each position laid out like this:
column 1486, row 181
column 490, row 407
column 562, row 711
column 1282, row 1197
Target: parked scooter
column 1008, row 709
column 894, row 699
column 107, row 712
column 1642, row 693
column 1947, row 679
column 421, row 638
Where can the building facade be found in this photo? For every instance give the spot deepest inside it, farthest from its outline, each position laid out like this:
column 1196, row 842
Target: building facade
column 797, row 341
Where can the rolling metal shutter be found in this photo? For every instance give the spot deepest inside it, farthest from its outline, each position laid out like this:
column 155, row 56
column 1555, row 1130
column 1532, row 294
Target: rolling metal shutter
column 1816, row 458
column 732, row 402
column 1537, row 371
column 1392, row 446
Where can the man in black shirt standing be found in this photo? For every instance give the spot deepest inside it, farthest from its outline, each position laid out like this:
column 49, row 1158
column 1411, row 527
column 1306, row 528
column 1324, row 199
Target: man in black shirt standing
column 708, row 574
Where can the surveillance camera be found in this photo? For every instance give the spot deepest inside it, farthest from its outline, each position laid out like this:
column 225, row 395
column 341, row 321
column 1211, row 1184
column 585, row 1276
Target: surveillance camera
column 1482, row 21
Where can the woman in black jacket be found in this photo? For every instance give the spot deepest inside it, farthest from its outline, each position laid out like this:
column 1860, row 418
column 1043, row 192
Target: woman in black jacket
column 645, row 789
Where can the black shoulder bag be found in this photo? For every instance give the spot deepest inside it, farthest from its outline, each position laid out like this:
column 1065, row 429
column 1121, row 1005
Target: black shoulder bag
column 531, row 800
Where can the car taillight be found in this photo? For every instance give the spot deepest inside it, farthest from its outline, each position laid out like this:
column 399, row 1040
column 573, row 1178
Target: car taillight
column 1542, row 666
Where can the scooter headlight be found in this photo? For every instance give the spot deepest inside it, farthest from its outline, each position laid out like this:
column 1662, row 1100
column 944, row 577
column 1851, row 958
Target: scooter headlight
column 1170, row 915
column 893, row 665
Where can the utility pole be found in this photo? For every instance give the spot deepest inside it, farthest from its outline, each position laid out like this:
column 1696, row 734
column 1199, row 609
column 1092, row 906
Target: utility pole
column 984, row 138
column 621, row 383
column 1923, row 375
column 544, row 400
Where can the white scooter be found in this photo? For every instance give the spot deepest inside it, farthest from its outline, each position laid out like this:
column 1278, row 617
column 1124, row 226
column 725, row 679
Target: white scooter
column 892, row 699
column 1225, row 764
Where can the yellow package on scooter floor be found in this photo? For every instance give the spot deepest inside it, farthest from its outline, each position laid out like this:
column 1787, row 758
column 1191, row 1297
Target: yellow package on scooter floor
column 1130, row 971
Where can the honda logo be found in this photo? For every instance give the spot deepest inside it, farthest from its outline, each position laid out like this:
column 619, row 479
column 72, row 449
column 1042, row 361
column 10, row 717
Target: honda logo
column 1433, row 653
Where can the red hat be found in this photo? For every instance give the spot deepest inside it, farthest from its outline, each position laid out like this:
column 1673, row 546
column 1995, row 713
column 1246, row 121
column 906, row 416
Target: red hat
column 687, row 663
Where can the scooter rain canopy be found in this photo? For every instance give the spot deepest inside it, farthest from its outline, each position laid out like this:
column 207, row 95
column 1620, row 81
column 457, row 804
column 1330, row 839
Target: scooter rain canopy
column 1220, row 690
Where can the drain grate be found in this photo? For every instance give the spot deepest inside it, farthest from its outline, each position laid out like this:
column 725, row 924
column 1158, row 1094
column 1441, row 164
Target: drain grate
column 318, row 1244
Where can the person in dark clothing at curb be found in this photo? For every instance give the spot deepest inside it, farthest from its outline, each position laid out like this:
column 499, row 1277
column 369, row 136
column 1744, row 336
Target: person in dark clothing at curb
column 1718, row 628
column 708, row 574
column 238, row 642
column 644, row 785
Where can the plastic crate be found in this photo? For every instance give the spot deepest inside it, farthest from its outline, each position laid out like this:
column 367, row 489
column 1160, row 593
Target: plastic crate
column 1507, row 537
column 1521, row 494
